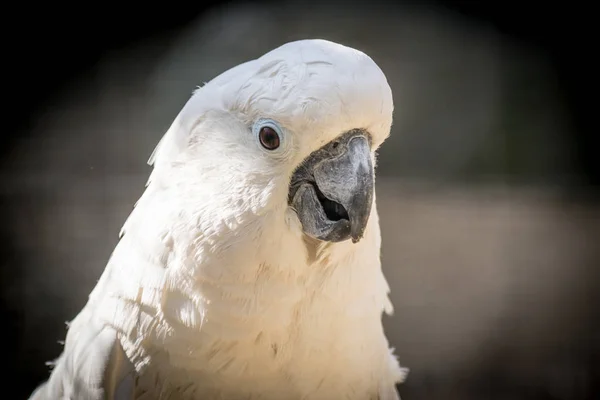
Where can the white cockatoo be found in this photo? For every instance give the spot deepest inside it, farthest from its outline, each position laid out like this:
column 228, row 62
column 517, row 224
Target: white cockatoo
column 250, row 267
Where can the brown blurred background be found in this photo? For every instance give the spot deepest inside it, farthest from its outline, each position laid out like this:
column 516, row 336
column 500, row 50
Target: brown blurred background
column 487, row 187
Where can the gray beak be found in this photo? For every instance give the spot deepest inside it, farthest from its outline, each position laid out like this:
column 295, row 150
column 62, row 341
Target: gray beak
column 332, row 190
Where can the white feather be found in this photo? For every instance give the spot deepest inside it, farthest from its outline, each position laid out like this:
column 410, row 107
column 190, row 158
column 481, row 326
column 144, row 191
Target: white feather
column 213, row 292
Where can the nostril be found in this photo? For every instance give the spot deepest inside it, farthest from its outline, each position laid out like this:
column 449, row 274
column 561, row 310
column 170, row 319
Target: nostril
column 335, row 144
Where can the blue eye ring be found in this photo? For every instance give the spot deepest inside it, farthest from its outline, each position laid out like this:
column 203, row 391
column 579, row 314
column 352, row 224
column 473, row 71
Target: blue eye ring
column 269, row 134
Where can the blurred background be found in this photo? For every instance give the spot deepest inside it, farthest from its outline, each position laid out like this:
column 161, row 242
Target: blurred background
column 487, row 187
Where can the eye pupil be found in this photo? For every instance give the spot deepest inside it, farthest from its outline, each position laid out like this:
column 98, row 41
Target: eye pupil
column 269, row 139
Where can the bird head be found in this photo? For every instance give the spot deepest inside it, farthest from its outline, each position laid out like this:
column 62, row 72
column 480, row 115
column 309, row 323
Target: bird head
column 293, row 132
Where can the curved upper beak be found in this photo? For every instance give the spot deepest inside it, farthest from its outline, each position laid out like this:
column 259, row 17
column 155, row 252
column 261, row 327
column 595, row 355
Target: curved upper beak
column 332, row 191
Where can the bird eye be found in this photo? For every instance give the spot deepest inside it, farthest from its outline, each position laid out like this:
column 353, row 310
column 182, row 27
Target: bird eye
column 269, row 139
column 271, row 136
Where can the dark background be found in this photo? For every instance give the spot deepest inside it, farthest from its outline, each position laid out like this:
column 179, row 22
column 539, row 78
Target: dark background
column 488, row 185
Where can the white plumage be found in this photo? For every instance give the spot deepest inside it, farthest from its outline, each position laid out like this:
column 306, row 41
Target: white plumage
column 214, row 291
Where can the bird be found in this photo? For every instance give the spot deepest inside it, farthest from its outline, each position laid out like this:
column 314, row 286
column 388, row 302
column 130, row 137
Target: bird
column 250, row 266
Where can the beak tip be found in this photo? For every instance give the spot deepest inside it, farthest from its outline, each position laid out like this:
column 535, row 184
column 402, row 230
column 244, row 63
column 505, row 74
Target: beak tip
column 357, row 236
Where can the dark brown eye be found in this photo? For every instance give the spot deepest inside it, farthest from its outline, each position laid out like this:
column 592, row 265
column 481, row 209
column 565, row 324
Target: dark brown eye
column 269, row 139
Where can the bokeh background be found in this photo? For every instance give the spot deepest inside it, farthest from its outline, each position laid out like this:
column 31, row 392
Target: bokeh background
column 487, row 187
